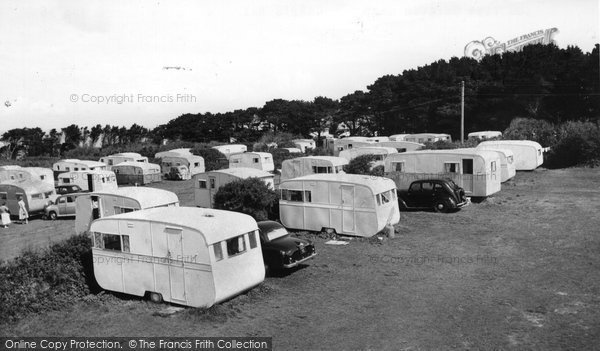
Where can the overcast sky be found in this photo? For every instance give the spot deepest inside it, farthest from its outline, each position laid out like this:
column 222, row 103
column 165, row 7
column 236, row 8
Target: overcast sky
column 237, row 54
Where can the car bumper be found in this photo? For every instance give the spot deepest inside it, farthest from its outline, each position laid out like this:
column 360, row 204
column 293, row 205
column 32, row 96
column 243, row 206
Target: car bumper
column 294, row 264
column 464, row 203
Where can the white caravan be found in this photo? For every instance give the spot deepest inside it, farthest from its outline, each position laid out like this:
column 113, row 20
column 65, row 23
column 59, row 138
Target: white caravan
column 193, row 164
column 70, row 165
column 427, row 137
column 348, row 204
column 181, row 151
column 89, row 207
column 207, row 184
column 44, row 174
column 305, row 144
column 528, row 154
column 398, row 137
column 401, row 146
column 477, row 171
column 36, row 195
column 89, row 180
column 507, row 162
column 378, row 139
column 115, row 159
column 349, row 143
column 259, row 160
column 301, row 166
column 380, row 153
column 18, row 173
column 184, row 255
column 230, row 149
column 484, row 135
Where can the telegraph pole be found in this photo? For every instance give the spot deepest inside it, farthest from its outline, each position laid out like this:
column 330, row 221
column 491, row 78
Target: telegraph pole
column 462, row 112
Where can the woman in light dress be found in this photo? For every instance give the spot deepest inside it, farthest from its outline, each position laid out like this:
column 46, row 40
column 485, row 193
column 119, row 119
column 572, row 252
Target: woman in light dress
column 23, row 215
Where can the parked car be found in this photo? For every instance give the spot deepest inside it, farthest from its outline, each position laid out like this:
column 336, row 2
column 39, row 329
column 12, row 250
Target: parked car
column 441, row 195
column 280, row 250
column 64, row 206
column 67, row 189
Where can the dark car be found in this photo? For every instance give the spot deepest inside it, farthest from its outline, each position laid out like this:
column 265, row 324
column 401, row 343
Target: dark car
column 68, row 189
column 441, row 195
column 281, row 250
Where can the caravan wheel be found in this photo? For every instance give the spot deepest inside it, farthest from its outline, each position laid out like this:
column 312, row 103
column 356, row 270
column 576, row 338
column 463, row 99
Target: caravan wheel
column 156, row 297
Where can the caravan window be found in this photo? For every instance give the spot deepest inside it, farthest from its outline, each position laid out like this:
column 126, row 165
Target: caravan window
column 451, row 167
column 2, row 196
column 322, row 169
column 397, row 166
column 125, row 243
column 110, row 162
column 386, row 197
column 111, row 242
column 202, row 184
column 296, row 195
column 218, row 251
column 119, row 209
column 235, row 246
column 68, row 169
column 37, row 196
column 235, row 160
column 467, row 166
column 75, row 169
column 493, row 166
column 255, row 159
column 509, row 159
column 196, row 164
column 252, row 238
column 212, row 183
column 378, row 158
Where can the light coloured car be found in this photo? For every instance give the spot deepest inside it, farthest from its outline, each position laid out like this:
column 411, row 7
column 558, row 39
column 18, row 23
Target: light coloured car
column 64, row 206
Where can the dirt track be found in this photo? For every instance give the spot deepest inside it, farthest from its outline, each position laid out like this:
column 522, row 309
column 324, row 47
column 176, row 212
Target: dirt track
column 517, row 271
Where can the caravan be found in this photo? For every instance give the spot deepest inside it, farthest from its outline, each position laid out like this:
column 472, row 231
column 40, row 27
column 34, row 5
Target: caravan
column 507, row 163
column 348, row 204
column 401, row 146
column 380, row 153
column 180, row 166
column 301, row 166
column 36, row 195
column 259, row 160
column 137, row 173
column 116, row 159
column 427, row 137
column 230, row 149
column 181, row 151
column 477, row 171
column 488, row 134
column 89, row 180
column 69, row 165
column 207, row 184
column 183, row 255
column 89, row 207
column 18, row 173
column 305, row 144
column 528, row 154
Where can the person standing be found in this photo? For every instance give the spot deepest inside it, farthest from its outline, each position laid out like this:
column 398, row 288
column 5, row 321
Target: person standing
column 4, row 215
column 23, row 215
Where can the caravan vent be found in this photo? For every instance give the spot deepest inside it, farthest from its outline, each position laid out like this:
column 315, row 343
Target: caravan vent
column 208, row 215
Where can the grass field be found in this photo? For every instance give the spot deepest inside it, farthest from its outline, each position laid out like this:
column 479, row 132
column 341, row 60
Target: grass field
column 520, row 270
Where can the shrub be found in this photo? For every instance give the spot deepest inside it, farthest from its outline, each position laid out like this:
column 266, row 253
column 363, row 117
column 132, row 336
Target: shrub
column 250, row 196
column 445, row 144
column 363, row 164
column 48, row 279
column 280, row 155
column 531, row 129
column 578, row 144
column 213, row 158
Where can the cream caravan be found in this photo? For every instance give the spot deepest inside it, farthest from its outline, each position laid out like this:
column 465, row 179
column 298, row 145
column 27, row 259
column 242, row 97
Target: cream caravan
column 36, row 195
column 260, row 160
column 528, row 154
column 207, row 184
column 477, row 171
column 137, row 173
column 380, row 153
column 181, row 151
column 89, row 180
column 484, row 135
column 70, row 165
column 507, row 162
column 427, row 137
column 348, row 204
column 231, row 149
column 301, row 166
column 183, row 255
column 89, row 207
column 193, row 164
column 116, row 159
column 401, row 146
column 305, row 144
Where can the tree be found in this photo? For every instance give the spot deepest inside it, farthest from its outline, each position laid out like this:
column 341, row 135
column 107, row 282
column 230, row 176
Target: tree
column 29, row 140
column 213, row 158
column 250, row 196
column 364, row 164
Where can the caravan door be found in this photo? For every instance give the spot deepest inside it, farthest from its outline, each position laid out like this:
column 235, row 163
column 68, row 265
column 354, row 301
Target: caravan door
column 175, row 257
column 467, row 174
column 212, row 189
column 348, row 224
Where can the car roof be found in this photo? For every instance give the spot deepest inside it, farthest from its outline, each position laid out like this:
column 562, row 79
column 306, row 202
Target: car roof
column 267, row 226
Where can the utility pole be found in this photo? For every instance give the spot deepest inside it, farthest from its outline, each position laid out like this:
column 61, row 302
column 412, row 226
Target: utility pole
column 462, row 112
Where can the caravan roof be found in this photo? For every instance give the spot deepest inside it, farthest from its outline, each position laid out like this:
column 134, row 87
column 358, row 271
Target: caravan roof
column 242, row 172
column 180, row 151
column 376, row 184
column 142, row 165
column 145, row 196
column 336, row 161
column 512, row 142
column 126, row 154
column 214, row 224
column 462, row 151
column 30, row 185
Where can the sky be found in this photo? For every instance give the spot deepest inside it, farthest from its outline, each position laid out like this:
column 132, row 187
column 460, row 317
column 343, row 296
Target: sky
column 146, row 62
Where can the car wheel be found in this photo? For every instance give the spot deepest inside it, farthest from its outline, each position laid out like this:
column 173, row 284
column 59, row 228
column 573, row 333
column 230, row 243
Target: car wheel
column 52, row 215
column 441, row 206
column 156, row 297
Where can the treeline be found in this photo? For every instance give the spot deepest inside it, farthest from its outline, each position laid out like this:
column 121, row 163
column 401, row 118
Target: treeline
column 542, row 82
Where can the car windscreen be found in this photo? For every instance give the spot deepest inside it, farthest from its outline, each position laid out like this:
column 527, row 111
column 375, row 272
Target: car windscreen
column 276, row 233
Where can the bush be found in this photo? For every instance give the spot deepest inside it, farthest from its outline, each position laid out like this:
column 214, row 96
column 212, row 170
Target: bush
column 446, row 145
column 578, row 144
column 250, row 196
column 531, row 129
column 364, row 164
column 213, row 158
column 280, row 155
column 52, row 278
